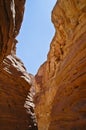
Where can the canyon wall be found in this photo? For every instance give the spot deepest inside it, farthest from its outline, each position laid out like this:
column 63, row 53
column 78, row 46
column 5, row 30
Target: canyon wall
column 16, row 85
column 61, row 81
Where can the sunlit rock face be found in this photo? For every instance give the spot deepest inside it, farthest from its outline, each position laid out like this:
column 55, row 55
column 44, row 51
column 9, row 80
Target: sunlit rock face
column 16, row 85
column 61, row 80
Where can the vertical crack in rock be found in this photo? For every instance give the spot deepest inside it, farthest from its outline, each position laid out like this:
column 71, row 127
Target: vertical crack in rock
column 13, row 11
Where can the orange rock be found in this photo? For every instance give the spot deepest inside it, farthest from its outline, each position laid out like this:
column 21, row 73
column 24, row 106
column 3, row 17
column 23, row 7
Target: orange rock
column 61, row 99
column 16, row 90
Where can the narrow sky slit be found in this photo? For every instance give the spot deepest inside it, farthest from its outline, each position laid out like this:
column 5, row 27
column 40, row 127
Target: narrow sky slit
column 36, row 34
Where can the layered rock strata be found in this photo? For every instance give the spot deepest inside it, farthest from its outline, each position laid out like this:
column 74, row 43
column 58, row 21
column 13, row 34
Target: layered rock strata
column 16, row 85
column 61, row 80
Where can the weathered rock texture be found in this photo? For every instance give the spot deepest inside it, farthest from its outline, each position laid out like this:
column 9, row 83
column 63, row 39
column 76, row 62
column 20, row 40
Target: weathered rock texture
column 16, row 91
column 61, row 80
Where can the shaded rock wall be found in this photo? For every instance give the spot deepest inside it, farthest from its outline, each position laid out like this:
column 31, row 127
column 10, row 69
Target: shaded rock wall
column 16, row 85
column 11, row 16
column 61, row 80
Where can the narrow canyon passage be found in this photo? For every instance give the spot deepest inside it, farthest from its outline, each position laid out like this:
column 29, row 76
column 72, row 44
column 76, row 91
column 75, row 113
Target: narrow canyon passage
column 58, row 89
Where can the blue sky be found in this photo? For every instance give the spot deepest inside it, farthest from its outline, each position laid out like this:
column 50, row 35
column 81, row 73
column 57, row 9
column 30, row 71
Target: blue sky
column 36, row 33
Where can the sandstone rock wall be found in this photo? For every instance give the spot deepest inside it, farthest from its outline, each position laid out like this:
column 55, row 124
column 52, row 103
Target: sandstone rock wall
column 61, row 80
column 11, row 16
column 16, row 91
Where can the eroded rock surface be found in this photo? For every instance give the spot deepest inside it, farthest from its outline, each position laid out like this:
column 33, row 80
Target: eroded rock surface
column 61, row 80
column 16, row 85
